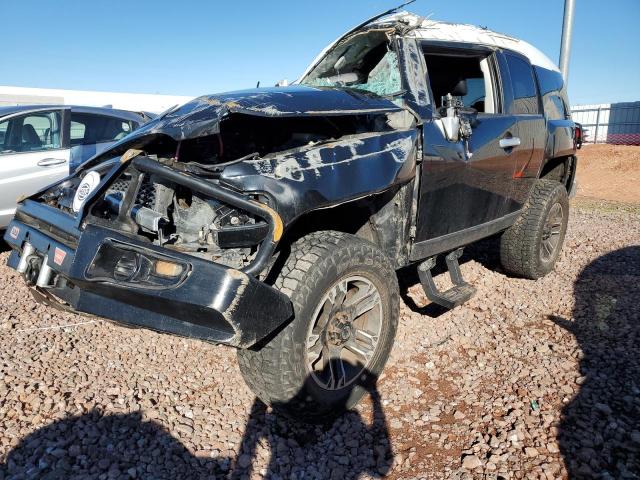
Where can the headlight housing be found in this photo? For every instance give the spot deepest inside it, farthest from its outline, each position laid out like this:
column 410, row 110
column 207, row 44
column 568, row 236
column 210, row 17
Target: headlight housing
column 125, row 264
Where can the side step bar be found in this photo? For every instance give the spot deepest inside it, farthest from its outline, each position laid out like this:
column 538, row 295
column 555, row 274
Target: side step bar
column 456, row 295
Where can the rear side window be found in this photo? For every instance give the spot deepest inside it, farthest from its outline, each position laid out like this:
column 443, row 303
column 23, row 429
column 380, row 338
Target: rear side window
column 90, row 128
column 553, row 94
column 76, row 132
column 525, row 94
column 555, row 107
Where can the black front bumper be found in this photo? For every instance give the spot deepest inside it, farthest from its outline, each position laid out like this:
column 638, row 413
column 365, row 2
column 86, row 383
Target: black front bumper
column 211, row 302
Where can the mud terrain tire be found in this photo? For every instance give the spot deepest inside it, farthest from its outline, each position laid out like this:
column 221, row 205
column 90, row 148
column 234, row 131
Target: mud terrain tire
column 524, row 247
column 278, row 372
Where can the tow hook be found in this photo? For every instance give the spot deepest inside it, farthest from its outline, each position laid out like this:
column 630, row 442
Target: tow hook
column 34, row 268
column 27, row 251
column 44, row 277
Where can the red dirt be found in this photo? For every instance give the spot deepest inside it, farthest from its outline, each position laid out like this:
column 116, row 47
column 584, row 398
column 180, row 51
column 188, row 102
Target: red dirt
column 609, row 172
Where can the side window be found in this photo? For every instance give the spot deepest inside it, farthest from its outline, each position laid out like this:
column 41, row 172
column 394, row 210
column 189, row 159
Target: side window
column 90, row 128
column 121, row 128
column 76, row 132
column 554, row 105
column 3, row 131
column 33, row 132
column 463, row 75
column 552, row 91
column 525, row 95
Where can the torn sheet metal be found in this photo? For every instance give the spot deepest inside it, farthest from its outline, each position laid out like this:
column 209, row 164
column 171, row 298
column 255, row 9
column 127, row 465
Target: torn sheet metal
column 415, row 77
column 329, row 174
column 201, row 116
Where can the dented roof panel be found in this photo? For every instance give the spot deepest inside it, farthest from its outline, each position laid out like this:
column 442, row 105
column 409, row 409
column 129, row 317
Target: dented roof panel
column 426, row 29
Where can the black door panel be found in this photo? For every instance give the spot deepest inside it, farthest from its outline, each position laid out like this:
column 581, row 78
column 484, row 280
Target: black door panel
column 523, row 102
column 458, row 192
column 528, row 158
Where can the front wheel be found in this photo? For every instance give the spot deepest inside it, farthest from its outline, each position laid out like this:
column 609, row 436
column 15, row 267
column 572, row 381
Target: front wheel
column 531, row 246
column 346, row 305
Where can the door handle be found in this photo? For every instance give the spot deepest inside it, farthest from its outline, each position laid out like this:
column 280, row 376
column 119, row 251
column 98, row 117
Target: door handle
column 49, row 162
column 509, row 142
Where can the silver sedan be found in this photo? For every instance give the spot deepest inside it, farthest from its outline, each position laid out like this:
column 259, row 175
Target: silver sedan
column 42, row 144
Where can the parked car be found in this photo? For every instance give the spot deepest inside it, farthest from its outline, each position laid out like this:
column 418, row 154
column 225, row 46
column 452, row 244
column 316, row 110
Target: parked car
column 40, row 145
column 273, row 220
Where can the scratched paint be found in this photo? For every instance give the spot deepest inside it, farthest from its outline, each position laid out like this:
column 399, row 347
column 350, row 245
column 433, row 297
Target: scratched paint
column 316, row 159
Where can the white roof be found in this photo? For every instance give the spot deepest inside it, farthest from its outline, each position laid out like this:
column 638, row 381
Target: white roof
column 463, row 33
column 427, row 29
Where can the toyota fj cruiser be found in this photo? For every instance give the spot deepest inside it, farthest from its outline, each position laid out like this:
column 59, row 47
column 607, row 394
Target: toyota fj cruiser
column 273, row 220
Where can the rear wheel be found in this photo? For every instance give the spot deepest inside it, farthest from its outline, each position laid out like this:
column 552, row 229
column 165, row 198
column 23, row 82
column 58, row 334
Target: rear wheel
column 530, row 248
column 346, row 303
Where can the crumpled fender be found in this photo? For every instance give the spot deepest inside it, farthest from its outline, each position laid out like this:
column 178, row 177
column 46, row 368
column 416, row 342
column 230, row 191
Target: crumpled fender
column 329, row 174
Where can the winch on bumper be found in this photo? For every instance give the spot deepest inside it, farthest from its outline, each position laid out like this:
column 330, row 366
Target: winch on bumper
column 113, row 276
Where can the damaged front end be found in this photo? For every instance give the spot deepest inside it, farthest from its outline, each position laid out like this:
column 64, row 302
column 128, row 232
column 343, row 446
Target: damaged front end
column 125, row 257
column 172, row 228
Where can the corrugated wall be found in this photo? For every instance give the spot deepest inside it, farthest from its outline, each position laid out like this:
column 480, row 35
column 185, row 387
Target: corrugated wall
column 615, row 123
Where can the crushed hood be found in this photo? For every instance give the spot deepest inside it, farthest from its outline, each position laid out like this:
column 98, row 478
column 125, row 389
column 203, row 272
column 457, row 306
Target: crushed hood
column 201, row 116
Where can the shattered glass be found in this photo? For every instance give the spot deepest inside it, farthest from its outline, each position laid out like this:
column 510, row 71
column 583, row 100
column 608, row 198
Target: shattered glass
column 384, row 79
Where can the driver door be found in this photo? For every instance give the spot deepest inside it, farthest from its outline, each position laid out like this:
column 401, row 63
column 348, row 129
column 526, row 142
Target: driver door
column 465, row 190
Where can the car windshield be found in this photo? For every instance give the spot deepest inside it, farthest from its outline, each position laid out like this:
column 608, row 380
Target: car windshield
column 365, row 61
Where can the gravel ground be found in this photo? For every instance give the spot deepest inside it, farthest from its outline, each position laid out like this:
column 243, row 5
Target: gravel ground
column 527, row 380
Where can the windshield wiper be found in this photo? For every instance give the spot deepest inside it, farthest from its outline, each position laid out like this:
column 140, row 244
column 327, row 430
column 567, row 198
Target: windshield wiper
column 167, row 112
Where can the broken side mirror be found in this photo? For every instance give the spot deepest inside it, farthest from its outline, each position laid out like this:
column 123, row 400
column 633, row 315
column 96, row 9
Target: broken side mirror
column 458, row 121
column 451, row 119
column 468, row 121
column 451, row 124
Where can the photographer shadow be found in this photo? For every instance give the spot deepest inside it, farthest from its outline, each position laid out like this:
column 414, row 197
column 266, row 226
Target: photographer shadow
column 96, row 446
column 124, row 446
column 340, row 445
column 599, row 433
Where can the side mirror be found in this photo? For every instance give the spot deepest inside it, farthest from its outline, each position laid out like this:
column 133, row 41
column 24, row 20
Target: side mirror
column 458, row 121
column 282, row 83
column 451, row 120
column 451, row 124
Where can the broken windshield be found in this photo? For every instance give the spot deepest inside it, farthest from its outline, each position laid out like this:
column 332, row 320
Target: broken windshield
column 365, row 61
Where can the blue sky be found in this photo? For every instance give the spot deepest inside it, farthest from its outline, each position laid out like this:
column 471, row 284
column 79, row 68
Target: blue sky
column 197, row 47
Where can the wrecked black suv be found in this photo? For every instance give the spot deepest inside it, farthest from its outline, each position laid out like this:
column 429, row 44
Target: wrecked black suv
column 273, row 220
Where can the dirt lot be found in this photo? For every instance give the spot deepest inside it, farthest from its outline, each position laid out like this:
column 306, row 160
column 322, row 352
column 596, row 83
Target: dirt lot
column 527, row 380
column 610, row 172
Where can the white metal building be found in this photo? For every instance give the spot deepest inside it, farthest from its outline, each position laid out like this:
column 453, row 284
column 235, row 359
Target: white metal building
column 616, row 123
column 125, row 101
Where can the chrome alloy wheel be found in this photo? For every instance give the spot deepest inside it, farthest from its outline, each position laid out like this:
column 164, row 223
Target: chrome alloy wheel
column 551, row 233
column 344, row 334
